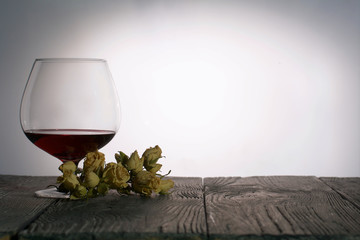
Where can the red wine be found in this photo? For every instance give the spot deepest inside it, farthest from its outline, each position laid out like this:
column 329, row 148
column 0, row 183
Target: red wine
column 69, row 144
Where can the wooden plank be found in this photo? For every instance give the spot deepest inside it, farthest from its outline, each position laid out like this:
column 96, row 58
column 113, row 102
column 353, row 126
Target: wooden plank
column 179, row 215
column 18, row 205
column 285, row 207
column 348, row 188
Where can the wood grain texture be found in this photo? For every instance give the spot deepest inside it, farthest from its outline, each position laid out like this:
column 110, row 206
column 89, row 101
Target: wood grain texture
column 286, row 207
column 179, row 215
column 348, row 188
column 18, row 206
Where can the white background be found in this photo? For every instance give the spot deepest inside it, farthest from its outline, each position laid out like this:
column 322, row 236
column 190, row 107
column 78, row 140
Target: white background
column 226, row 88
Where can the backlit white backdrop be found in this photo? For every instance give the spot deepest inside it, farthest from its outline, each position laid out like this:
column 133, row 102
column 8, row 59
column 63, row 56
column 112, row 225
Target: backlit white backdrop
column 226, row 88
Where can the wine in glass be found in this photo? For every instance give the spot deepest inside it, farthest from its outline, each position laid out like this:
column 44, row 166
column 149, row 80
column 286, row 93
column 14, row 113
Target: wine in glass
column 70, row 107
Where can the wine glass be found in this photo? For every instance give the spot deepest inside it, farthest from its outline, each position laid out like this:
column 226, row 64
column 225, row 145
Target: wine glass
column 69, row 107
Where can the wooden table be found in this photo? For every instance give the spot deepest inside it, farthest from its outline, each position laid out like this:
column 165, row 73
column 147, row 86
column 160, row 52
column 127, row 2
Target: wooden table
column 271, row 207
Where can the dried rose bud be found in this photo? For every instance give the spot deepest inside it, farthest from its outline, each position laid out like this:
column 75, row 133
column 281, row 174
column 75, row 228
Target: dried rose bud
column 69, row 182
column 116, row 175
column 121, row 157
column 67, row 168
column 91, row 180
column 155, row 168
column 79, row 192
column 145, row 183
column 134, row 163
column 151, row 156
column 165, row 186
column 94, row 162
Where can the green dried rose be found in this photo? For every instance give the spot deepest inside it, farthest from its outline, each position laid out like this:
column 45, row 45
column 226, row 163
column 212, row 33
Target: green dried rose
column 79, row 192
column 145, row 183
column 91, row 180
column 69, row 182
column 155, row 168
column 134, row 163
column 121, row 157
column 94, row 162
column 116, row 175
column 165, row 186
column 151, row 156
column 67, row 168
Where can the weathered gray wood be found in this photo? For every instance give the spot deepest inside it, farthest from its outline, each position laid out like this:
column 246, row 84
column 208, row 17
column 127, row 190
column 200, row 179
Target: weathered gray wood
column 286, row 207
column 349, row 188
column 18, row 206
column 179, row 215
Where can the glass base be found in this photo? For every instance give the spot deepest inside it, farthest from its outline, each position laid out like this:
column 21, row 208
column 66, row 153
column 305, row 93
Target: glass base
column 51, row 193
